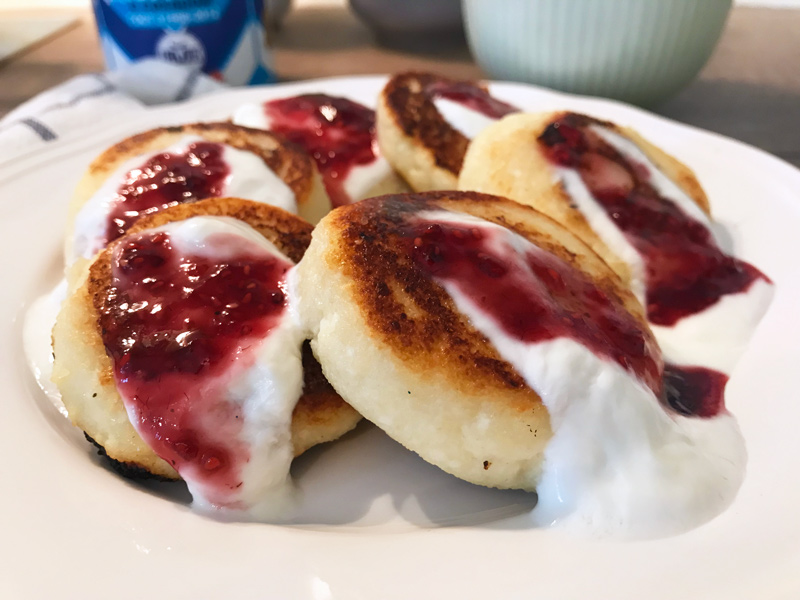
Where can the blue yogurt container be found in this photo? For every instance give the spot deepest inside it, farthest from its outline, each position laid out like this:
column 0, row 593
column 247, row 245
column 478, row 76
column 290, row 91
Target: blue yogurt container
column 224, row 38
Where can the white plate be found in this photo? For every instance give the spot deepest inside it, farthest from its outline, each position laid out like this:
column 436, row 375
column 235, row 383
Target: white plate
column 380, row 523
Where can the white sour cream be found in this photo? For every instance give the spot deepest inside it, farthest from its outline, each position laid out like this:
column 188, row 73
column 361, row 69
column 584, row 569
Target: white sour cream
column 362, row 179
column 265, row 392
column 618, row 464
column 603, row 226
column 249, row 178
column 715, row 337
column 37, row 342
column 463, row 119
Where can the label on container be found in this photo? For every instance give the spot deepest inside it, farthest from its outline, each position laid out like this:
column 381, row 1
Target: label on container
column 224, row 38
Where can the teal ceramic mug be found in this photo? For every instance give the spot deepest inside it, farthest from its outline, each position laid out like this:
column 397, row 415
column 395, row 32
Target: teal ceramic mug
column 639, row 51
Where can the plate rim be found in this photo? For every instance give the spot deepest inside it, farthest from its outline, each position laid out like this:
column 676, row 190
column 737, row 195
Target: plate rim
column 772, row 163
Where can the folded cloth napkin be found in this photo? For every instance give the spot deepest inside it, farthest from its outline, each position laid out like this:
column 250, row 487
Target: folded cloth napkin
column 89, row 100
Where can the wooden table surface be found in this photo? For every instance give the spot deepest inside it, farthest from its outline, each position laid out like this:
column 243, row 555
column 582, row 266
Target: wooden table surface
column 750, row 89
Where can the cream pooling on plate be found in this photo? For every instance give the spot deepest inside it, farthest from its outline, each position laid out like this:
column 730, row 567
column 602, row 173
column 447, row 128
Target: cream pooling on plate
column 37, row 334
column 216, row 401
column 239, row 173
column 619, row 461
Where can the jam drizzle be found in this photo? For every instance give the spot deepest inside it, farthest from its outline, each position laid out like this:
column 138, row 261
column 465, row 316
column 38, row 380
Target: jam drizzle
column 338, row 133
column 165, row 180
column 694, row 391
column 685, row 271
column 470, row 96
column 533, row 295
column 179, row 328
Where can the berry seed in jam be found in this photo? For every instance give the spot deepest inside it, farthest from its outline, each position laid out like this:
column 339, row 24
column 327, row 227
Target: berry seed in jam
column 470, row 96
column 338, row 133
column 165, row 180
column 179, row 328
column 532, row 294
column 685, row 271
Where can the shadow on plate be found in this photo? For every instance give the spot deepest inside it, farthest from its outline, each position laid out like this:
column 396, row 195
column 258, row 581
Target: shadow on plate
column 368, row 479
column 363, row 480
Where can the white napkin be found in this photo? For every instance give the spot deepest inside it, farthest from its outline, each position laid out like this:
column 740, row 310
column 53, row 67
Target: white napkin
column 89, row 100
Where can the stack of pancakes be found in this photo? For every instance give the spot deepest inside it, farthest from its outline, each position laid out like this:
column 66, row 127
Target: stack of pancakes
column 388, row 342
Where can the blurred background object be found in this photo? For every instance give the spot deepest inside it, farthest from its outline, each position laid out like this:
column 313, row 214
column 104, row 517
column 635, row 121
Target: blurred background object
column 748, row 90
column 276, row 11
column 224, row 39
column 633, row 50
column 19, row 31
column 413, row 24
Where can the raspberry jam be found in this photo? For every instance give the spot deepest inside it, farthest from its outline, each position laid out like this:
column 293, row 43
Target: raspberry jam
column 338, row 133
column 686, row 272
column 470, row 96
column 533, row 295
column 180, row 329
column 165, row 180
column 694, row 391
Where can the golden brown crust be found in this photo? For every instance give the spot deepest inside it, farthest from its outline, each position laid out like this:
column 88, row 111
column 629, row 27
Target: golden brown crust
column 320, row 409
column 320, row 415
column 290, row 234
column 287, row 160
column 394, row 345
column 674, row 169
column 506, row 159
column 413, row 110
column 414, row 137
column 416, row 317
column 83, row 372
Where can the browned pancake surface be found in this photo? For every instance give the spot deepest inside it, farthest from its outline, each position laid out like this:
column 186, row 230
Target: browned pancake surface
column 285, row 159
column 415, row 315
column 507, row 159
column 440, row 386
column 413, row 135
column 320, row 415
column 288, row 161
column 415, row 113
